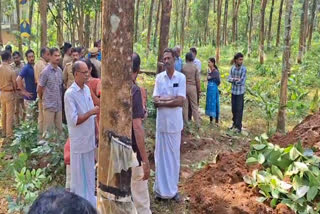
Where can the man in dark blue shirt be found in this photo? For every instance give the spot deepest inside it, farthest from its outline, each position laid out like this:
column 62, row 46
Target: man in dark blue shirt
column 29, row 88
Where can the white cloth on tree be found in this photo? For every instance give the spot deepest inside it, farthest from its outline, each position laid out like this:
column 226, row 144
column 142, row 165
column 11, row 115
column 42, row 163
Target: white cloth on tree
column 122, row 156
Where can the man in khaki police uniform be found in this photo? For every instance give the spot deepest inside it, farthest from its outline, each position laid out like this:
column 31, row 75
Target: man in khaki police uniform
column 17, row 66
column 8, row 88
column 68, row 77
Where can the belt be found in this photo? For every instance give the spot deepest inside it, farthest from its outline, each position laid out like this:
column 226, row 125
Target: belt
column 8, row 90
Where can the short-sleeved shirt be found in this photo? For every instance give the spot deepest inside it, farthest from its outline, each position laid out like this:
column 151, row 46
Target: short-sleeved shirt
column 197, row 62
column 7, row 77
column 17, row 68
column 68, row 77
column 178, row 64
column 137, row 112
column 77, row 102
column 51, row 80
column 38, row 68
column 66, row 59
column 170, row 120
column 27, row 73
column 191, row 72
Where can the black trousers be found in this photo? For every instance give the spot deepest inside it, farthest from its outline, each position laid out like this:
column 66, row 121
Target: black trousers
column 237, row 102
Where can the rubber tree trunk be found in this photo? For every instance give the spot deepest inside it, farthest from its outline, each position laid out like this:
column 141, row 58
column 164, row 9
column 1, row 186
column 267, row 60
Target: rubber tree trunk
column 270, row 24
column 218, row 30
column 279, row 23
column 183, row 20
column 225, row 22
column 60, row 23
column 95, row 25
column 303, row 29
column 176, row 30
column 18, row 23
column 30, row 21
column 235, row 10
column 164, row 29
column 80, row 22
column 281, row 122
column 115, row 111
column 1, row 40
column 136, row 23
column 155, row 35
column 150, row 24
column 261, row 46
column 250, row 28
column 43, row 8
column 311, row 24
column 87, row 30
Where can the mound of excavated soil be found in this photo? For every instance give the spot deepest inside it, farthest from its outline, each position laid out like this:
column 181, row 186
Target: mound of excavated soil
column 308, row 132
column 219, row 188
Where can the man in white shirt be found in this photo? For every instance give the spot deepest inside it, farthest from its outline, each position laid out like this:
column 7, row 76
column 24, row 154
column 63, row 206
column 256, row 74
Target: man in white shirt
column 80, row 114
column 196, row 61
column 169, row 95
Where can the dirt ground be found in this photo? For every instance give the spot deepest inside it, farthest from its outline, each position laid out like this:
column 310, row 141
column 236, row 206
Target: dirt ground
column 219, row 187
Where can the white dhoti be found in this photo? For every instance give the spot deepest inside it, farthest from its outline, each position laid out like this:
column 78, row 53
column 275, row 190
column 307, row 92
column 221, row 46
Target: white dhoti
column 140, row 192
column 167, row 162
column 83, row 175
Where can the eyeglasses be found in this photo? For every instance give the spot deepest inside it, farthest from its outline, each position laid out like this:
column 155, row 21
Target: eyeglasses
column 84, row 72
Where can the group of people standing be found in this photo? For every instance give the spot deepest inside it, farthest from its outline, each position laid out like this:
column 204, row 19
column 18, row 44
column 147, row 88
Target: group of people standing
column 192, row 71
column 176, row 96
column 72, row 85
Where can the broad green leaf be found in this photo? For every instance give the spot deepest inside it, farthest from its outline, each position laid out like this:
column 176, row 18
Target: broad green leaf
column 274, row 156
column 275, row 193
column 273, row 202
column 294, row 153
column 302, row 167
column 288, row 149
column 261, row 199
column 247, row 179
column 301, row 191
column 312, row 193
column 284, row 185
column 261, row 158
column 313, row 180
column 251, row 160
column 315, row 171
column 259, row 146
column 298, row 182
column 264, row 136
column 276, row 171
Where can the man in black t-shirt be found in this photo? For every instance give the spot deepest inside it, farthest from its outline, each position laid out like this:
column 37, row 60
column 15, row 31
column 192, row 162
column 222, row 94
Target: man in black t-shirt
column 140, row 174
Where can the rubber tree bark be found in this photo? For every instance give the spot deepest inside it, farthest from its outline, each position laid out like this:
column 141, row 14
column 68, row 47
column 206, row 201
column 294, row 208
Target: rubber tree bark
column 30, row 21
column 225, row 22
column 136, row 23
column 1, row 40
column 43, row 8
column 235, row 10
column 164, row 29
column 116, row 108
column 250, row 28
column 270, row 24
column 183, row 21
column 86, row 41
column 218, row 30
column 281, row 121
column 60, row 23
column 279, row 23
column 311, row 24
column 303, row 30
column 176, row 30
column 18, row 23
column 155, row 35
column 150, row 24
column 261, row 45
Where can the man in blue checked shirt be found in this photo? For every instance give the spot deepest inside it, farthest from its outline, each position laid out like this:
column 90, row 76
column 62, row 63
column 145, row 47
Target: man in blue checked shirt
column 237, row 78
column 178, row 64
